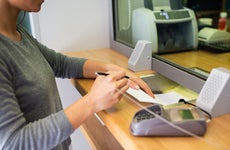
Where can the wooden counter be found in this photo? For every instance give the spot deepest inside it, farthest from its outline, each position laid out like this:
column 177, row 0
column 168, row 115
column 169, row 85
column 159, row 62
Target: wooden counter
column 116, row 133
column 203, row 59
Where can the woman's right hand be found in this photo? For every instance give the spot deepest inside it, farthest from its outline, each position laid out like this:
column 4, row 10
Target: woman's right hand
column 107, row 90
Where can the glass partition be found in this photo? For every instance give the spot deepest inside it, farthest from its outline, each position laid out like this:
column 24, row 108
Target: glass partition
column 173, row 27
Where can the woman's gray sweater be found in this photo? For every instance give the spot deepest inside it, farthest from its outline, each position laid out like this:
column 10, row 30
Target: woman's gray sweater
column 31, row 115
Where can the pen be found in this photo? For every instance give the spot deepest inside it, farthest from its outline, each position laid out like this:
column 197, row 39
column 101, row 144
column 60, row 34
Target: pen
column 105, row 74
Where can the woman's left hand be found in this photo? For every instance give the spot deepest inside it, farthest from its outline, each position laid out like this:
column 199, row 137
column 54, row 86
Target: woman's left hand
column 135, row 82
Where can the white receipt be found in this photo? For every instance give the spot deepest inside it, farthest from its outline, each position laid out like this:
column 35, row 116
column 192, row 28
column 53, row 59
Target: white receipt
column 170, row 98
column 164, row 99
column 141, row 96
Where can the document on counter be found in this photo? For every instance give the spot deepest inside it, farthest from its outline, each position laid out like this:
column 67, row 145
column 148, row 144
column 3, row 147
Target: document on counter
column 163, row 99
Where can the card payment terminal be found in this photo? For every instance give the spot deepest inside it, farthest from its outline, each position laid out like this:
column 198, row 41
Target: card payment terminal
column 145, row 123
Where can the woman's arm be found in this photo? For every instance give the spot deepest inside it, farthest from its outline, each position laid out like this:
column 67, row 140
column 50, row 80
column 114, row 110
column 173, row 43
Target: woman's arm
column 105, row 92
column 91, row 66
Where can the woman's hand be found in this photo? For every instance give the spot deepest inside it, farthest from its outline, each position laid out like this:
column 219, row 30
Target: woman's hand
column 107, row 90
column 91, row 66
column 135, row 82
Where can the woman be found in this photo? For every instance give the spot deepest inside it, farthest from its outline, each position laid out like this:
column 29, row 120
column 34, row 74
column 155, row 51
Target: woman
column 31, row 113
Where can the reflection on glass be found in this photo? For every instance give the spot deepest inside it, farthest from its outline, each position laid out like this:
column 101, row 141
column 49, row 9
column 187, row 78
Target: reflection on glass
column 165, row 29
column 175, row 37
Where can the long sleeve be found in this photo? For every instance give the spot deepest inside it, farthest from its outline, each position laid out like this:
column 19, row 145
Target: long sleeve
column 31, row 115
column 63, row 66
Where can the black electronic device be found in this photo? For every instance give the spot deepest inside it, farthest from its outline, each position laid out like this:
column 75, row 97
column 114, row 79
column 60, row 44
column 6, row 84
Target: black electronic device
column 222, row 46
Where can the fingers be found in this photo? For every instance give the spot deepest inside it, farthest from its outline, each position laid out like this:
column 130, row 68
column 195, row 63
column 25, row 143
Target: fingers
column 121, row 91
column 111, row 86
column 137, row 83
column 134, row 82
column 116, row 75
column 120, row 83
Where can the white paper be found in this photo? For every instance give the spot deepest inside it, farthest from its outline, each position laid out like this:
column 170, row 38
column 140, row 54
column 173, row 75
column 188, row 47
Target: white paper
column 164, row 99
column 169, row 98
column 141, row 96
